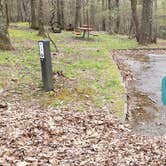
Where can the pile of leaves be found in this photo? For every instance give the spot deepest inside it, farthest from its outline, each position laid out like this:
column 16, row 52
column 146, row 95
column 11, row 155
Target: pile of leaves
column 32, row 136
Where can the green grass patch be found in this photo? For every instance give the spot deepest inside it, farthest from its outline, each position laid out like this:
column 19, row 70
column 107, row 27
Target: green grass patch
column 91, row 80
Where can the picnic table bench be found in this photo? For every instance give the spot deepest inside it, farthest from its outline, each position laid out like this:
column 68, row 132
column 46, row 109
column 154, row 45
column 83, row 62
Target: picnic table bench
column 85, row 29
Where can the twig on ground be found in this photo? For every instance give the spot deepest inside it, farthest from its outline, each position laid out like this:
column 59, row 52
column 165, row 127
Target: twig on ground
column 52, row 41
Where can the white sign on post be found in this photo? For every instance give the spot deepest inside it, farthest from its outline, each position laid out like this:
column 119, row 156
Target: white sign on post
column 41, row 48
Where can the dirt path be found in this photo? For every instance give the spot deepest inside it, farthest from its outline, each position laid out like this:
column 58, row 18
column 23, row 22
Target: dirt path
column 143, row 72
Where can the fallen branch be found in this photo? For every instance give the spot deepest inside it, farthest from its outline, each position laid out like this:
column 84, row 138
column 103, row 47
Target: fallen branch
column 52, row 41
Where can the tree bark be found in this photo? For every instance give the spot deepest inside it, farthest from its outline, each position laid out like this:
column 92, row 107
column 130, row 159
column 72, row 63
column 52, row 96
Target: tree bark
column 59, row 15
column 117, row 2
column 135, row 18
column 34, row 19
column 7, row 12
column 103, row 17
column 19, row 11
column 62, row 14
column 146, row 36
column 78, row 14
column 110, row 17
column 41, row 19
column 92, row 12
column 5, row 43
column 55, row 21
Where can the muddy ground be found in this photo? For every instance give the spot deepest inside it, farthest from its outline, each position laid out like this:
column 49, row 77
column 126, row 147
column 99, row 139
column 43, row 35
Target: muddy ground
column 142, row 72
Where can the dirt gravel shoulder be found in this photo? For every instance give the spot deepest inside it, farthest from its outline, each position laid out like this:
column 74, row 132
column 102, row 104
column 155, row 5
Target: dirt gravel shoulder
column 142, row 71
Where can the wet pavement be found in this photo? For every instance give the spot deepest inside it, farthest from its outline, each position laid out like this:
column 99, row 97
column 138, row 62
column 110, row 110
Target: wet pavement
column 142, row 73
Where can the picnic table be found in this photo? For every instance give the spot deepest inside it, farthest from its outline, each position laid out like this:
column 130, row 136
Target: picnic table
column 85, row 29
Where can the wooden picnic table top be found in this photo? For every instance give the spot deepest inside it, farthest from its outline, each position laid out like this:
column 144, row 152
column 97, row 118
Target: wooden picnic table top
column 85, row 29
column 87, row 26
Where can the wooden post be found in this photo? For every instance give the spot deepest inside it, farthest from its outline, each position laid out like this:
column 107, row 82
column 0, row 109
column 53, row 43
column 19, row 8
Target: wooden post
column 46, row 65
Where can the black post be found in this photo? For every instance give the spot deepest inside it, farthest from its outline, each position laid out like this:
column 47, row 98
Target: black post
column 46, row 64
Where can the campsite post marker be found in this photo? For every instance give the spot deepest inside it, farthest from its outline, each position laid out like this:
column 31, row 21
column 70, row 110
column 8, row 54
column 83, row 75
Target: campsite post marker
column 46, row 64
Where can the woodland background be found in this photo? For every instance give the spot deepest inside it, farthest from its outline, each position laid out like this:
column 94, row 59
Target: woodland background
column 114, row 16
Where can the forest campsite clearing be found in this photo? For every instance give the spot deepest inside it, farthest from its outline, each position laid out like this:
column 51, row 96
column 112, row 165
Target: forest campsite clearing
column 89, row 78
column 82, row 83
column 75, row 124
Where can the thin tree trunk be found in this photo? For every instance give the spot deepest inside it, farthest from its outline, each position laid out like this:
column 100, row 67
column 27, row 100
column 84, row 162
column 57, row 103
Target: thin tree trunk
column 92, row 12
column 155, row 31
column 62, row 14
column 135, row 18
column 34, row 19
column 41, row 19
column 59, row 15
column 84, row 12
column 118, row 16
column 78, row 14
column 103, row 17
column 19, row 11
column 110, row 17
column 7, row 12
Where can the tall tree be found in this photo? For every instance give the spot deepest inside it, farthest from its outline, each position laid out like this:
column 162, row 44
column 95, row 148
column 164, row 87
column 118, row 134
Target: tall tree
column 59, row 14
column 5, row 43
column 103, row 16
column 19, row 11
column 34, row 18
column 117, row 6
column 7, row 12
column 55, row 21
column 41, row 19
column 110, row 17
column 146, row 35
column 135, row 18
column 78, row 14
column 62, row 4
column 92, row 12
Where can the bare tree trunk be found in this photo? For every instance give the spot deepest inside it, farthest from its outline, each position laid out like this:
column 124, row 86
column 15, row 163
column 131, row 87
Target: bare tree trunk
column 147, row 23
column 7, row 12
column 25, row 6
column 59, row 15
column 19, row 11
column 5, row 43
column 55, row 21
column 62, row 14
column 92, row 12
column 118, row 16
column 84, row 11
column 34, row 19
column 103, row 17
column 87, row 13
column 41, row 19
column 155, row 28
column 78, row 14
column 110, row 17
column 135, row 18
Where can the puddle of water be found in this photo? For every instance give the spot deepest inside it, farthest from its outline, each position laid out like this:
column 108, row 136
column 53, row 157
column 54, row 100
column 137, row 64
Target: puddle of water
column 139, row 57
